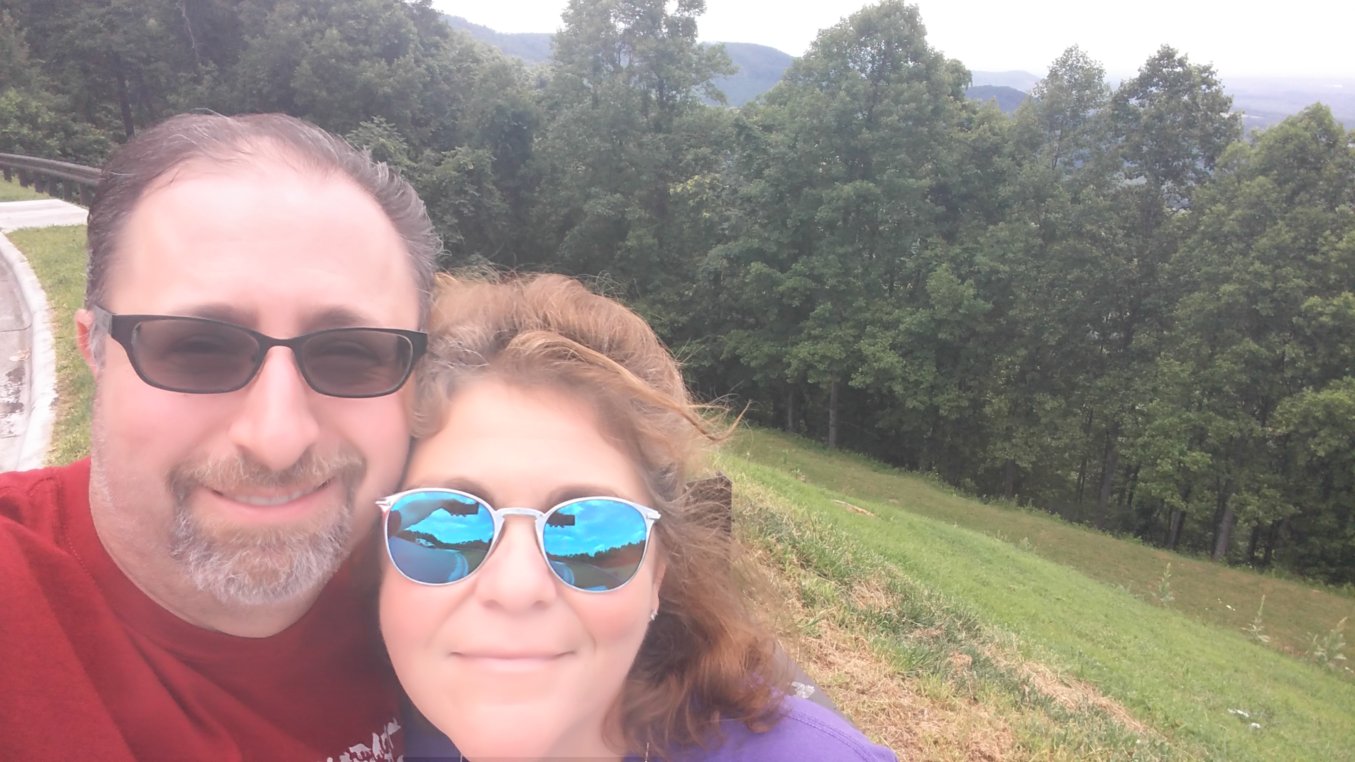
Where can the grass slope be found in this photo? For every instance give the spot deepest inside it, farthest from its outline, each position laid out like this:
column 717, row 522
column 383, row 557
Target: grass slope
column 1294, row 613
column 1075, row 667
column 12, row 191
column 57, row 256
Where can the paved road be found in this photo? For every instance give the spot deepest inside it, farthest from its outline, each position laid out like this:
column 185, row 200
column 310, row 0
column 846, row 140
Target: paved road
column 40, row 213
column 27, row 357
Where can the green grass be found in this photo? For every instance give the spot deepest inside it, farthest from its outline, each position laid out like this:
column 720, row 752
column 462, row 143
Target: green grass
column 1178, row 675
column 12, row 191
column 1213, row 593
column 57, row 256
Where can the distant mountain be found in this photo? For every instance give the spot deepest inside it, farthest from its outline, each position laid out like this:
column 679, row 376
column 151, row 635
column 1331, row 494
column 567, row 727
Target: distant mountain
column 1269, row 101
column 1016, row 80
column 531, row 47
column 1263, row 102
column 759, row 67
column 1008, row 98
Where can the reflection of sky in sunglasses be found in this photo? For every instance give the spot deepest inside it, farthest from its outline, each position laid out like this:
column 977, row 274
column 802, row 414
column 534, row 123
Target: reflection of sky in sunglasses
column 601, row 525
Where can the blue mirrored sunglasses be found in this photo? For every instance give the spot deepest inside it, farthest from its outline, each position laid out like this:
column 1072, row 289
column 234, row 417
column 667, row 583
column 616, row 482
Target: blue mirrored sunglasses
column 441, row 536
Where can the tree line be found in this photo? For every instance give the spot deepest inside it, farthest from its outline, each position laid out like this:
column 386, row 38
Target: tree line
column 1112, row 306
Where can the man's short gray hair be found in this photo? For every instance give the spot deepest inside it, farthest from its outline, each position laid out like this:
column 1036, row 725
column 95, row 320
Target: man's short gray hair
column 242, row 140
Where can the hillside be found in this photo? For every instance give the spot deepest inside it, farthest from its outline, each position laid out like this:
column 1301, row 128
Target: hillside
column 530, row 47
column 956, row 630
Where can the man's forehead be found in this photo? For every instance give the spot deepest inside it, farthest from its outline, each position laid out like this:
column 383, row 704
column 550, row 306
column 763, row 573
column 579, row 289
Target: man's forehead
column 260, row 160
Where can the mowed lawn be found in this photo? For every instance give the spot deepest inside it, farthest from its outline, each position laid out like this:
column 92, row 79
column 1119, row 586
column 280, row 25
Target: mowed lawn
column 1177, row 686
column 1230, row 597
column 13, row 191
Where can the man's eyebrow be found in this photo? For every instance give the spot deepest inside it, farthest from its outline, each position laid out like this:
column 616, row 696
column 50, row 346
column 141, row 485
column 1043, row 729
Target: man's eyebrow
column 223, row 311
column 338, row 317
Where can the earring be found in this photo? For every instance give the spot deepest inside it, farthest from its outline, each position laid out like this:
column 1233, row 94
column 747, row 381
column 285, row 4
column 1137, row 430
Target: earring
column 653, row 615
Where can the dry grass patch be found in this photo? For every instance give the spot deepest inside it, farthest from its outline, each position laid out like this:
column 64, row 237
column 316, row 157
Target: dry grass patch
column 916, row 721
column 1068, row 693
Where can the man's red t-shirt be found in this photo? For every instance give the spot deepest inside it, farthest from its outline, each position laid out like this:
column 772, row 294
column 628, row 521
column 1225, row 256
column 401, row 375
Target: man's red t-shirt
column 91, row 668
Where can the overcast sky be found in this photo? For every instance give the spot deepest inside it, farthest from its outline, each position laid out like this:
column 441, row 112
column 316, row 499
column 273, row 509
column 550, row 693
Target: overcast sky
column 1309, row 38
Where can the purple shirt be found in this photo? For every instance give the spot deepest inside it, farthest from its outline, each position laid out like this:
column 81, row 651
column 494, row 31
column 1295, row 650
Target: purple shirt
column 806, row 731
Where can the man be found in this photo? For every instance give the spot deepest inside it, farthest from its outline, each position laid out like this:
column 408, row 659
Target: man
column 197, row 588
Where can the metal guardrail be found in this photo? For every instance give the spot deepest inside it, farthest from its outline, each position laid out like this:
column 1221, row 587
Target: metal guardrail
column 63, row 180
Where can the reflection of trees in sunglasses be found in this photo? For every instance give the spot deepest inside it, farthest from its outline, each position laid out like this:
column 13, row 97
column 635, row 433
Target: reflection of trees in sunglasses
column 603, row 570
column 594, row 544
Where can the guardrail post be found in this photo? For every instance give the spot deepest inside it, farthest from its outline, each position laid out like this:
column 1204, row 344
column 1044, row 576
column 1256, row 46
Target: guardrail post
column 55, row 178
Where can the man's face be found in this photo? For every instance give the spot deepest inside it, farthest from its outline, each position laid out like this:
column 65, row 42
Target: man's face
column 251, row 497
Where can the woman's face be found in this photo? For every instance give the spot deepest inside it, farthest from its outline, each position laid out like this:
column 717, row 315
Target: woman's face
column 511, row 662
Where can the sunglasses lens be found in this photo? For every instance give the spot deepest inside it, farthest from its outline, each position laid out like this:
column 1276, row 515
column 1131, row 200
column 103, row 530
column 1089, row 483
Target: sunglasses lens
column 193, row 355
column 438, row 537
column 356, row 362
column 596, row 544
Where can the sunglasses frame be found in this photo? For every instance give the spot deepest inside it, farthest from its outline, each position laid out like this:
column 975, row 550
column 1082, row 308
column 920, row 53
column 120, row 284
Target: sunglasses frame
column 122, row 329
column 499, row 515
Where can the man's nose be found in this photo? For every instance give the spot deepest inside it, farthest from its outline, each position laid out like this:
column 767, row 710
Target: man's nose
column 276, row 423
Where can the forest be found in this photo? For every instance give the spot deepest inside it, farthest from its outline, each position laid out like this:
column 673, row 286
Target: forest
column 1112, row 306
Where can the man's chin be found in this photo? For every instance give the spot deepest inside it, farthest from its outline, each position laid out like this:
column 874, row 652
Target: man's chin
column 261, row 565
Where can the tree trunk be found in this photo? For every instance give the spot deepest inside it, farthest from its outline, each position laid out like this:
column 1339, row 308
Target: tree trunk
column 1174, row 524
column 124, row 99
column 1253, row 542
column 1272, row 535
column 832, row 414
column 1082, row 467
column 790, row 410
column 1108, row 465
column 1131, row 478
column 1009, row 471
column 1224, row 538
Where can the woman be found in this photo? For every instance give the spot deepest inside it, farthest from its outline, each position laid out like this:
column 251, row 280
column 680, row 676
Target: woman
column 551, row 590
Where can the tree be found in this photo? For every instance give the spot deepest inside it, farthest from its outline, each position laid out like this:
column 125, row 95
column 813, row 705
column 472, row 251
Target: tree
column 845, row 167
column 624, row 102
column 1169, row 125
column 1266, row 321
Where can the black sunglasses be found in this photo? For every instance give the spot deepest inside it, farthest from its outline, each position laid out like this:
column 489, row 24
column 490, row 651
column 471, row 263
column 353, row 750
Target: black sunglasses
column 196, row 355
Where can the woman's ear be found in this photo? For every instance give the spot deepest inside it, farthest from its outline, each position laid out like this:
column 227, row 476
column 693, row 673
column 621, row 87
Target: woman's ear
column 660, row 566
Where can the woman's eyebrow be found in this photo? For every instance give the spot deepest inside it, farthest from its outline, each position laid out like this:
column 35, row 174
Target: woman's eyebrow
column 575, row 491
column 458, row 483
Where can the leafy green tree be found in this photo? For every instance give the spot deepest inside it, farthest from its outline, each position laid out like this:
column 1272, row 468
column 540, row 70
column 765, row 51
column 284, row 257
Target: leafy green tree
column 624, row 128
column 114, row 62
column 1267, row 317
column 844, row 166
column 1169, row 125
column 1040, row 267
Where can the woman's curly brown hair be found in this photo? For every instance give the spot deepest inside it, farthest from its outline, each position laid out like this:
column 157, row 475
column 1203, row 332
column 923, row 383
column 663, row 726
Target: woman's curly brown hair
column 704, row 659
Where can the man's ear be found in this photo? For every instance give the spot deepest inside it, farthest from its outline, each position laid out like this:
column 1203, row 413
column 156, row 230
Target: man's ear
column 84, row 325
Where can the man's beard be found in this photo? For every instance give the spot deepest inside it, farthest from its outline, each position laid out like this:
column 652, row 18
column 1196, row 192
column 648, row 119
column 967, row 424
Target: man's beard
column 262, row 565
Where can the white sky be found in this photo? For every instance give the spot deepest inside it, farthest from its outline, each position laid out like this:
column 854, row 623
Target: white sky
column 1243, row 38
